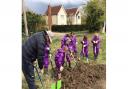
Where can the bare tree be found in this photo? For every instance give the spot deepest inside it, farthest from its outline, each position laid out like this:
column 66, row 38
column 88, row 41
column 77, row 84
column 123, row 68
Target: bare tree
column 25, row 18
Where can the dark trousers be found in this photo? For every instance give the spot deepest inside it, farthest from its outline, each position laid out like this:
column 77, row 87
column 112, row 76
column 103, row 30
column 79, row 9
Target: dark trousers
column 95, row 52
column 28, row 71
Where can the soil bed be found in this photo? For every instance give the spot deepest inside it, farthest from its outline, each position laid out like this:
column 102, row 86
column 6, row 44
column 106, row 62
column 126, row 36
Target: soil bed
column 85, row 76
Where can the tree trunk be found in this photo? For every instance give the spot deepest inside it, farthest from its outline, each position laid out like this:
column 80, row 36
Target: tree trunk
column 25, row 19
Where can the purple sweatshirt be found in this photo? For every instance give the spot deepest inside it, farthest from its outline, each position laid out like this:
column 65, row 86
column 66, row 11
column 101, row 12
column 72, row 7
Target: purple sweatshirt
column 65, row 41
column 96, row 44
column 59, row 58
column 72, row 44
column 85, row 44
column 46, row 56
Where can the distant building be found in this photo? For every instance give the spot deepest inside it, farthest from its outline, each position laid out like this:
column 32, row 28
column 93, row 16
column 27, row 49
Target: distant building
column 61, row 16
column 73, row 16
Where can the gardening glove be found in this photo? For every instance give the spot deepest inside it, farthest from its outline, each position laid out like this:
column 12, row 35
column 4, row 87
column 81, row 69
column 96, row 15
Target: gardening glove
column 85, row 45
column 61, row 68
column 48, row 48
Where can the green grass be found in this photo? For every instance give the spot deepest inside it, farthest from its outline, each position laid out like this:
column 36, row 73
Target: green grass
column 56, row 43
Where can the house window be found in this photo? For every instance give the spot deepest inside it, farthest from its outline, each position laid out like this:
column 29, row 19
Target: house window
column 78, row 17
column 62, row 16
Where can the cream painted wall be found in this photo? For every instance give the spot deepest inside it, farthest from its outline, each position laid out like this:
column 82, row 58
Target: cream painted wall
column 78, row 19
column 46, row 18
column 74, row 19
column 54, row 19
column 62, row 17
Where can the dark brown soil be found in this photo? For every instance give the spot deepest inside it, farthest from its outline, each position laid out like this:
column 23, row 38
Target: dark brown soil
column 85, row 76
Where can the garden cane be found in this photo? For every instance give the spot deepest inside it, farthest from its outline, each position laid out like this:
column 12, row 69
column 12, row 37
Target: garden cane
column 52, row 64
column 39, row 76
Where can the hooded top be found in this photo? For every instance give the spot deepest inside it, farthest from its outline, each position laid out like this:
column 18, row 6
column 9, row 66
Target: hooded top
column 72, row 45
column 96, row 39
column 65, row 40
column 59, row 57
column 85, row 44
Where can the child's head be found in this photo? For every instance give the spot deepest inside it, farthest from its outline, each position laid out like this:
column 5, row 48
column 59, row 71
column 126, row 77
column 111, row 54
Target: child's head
column 85, row 37
column 71, row 33
column 96, row 33
column 65, row 48
column 67, row 35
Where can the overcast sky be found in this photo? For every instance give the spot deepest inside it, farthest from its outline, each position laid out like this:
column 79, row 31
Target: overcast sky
column 40, row 6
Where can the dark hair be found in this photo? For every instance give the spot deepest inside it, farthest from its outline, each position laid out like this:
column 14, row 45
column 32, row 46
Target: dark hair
column 72, row 33
column 46, row 36
column 67, row 35
column 85, row 37
column 45, row 32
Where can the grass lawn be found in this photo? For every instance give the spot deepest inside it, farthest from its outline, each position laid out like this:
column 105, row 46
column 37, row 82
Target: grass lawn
column 56, row 42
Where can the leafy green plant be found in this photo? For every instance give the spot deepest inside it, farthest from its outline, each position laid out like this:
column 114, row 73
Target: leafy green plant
column 34, row 22
column 95, row 12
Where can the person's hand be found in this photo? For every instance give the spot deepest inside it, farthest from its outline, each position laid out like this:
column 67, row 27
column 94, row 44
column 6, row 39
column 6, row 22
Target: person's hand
column 61, row 68
column 94, row 41
column 40, row 71
column 78, row 58
column 84, row 45
column 48, row 48
column 34, row 63
column 50, row 55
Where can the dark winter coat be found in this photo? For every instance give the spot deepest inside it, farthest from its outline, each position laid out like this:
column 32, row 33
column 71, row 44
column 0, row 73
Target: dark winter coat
column 33, row 48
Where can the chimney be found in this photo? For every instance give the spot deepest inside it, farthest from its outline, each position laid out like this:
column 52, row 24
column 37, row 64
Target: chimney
column 49, row 18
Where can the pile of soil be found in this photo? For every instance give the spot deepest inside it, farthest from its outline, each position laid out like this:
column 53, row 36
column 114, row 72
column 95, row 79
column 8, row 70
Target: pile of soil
column 84, row 76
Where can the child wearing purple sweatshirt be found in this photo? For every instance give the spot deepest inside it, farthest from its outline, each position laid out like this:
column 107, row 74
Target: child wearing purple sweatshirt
column 85, row 44
column 46, row 54
column 96, row 45
column 59, row 60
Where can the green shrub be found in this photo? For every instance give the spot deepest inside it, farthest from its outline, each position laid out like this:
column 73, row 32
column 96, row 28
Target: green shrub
column 68, row 28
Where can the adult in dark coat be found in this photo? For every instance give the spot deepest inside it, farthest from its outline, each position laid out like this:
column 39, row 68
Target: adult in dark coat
column 33, row 49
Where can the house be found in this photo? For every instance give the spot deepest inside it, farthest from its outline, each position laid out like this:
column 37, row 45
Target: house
column 73, row 16
column 59, row 15
column 62, row 16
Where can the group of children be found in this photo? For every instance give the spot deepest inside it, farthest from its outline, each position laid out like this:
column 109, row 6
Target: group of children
column 68, row 51
column 96, row 45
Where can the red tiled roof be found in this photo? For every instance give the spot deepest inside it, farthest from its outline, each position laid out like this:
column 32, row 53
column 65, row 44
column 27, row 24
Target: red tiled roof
column 71, row 11
column 54, row 10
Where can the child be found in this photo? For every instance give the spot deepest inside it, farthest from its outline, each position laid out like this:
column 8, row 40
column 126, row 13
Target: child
column 73, row 41
column 85, row 45
column 46, row 54
column 65, row 40
column 59, row 60
column 96, row 45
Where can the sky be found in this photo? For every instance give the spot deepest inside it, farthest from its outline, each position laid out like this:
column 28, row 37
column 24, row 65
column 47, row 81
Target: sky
column 40, row 6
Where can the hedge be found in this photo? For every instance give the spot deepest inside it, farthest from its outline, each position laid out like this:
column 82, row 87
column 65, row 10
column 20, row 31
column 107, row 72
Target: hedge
column 68, row 28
